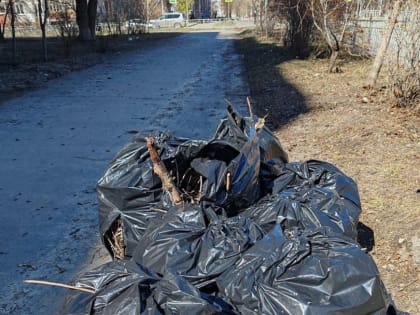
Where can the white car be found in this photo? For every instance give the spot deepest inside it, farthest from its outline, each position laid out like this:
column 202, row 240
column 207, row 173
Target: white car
column 173, row 19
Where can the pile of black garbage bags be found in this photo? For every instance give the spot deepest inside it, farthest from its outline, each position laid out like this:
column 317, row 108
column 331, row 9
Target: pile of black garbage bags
column 255, row 234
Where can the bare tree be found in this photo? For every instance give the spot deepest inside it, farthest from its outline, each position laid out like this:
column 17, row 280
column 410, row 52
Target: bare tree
column 11, row 6
column 43, row 8
column 379, row 58
column 289, row 21
column 242, row 8
column 151, row 8
column 403, row 61
column 86, row 18
column 255, row 9
column 64, row 20
column 331, row 18
column 5, row 18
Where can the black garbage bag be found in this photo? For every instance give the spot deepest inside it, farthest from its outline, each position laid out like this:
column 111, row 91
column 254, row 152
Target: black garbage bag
column 237, row 150
column 218, row 163
column 124, row 287
column 237, row 130
column 310, row 195
column 309, row 272
column 184, row 243
column 253, row 235
column 130, row 195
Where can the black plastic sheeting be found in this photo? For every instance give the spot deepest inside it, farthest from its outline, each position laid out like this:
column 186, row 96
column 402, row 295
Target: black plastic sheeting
column 131, row 192
column 281, row 238
column 124, row 287
column 183, row 243
column 310, row 195
column 311, row 272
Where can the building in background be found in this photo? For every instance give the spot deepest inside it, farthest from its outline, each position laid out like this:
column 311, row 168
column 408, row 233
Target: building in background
column 27, row 11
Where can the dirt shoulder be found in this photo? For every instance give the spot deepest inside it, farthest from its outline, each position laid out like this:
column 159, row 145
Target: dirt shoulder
column 64, row 57
column 329, row 117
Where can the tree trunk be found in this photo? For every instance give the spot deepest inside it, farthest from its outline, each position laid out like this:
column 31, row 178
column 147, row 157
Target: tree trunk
column 12, row 22
column 333, row 59
column 3, row 27
column 44, row 43
column 42, row 24
column 380, row 55
column 92, row 7
column 82, row 19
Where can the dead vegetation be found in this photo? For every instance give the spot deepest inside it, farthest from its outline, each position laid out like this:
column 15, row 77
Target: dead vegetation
column 330, row 117
column 114, row 239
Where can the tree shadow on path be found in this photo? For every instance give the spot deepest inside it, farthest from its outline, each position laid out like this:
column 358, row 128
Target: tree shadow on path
column 274, row 96
column 271, row 93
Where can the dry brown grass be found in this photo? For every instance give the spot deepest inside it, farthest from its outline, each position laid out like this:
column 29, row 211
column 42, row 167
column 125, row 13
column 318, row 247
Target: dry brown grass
column 114, row 240
column 360, row 132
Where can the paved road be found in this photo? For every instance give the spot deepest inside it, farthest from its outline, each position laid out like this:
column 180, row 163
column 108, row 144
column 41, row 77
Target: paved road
column 57, row 141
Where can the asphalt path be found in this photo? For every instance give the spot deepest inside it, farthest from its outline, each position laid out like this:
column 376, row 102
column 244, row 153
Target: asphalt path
column 57, row 141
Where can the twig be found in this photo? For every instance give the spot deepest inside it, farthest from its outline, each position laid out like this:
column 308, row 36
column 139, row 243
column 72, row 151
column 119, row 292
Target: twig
column 228, row 181
column 260, row 123
column 159, row 210
column 160, row 170
column 406, row 286
column 61, row 285
column 115, row 239
column 249, row 107
column 200, row 190
column 228, row 102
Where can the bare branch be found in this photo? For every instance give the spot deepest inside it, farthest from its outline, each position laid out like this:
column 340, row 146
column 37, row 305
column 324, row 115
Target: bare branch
column 160, row 170
column 61, row 285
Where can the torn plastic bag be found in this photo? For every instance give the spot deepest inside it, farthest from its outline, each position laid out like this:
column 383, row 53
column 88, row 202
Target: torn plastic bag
column 124, row 287
column 129, row 193
column 184, row 244
column 237, row 130
column 241, row 170
column 310, row 195
column 314, row 272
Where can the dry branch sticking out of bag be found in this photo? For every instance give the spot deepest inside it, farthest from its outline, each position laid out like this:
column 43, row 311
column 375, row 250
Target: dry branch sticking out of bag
column 160, row 170
column 116, row 240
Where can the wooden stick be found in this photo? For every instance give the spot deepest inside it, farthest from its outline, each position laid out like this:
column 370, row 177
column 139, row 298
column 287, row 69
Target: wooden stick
column 61, row 285
column 159, row 210
column 228, row 181
column 249, row 107
column 160, row 170
column 200, row 193
column 260, row 123
column 228, row 102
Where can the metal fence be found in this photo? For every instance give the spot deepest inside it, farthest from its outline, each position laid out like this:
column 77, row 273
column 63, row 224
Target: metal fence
column 370, row 27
